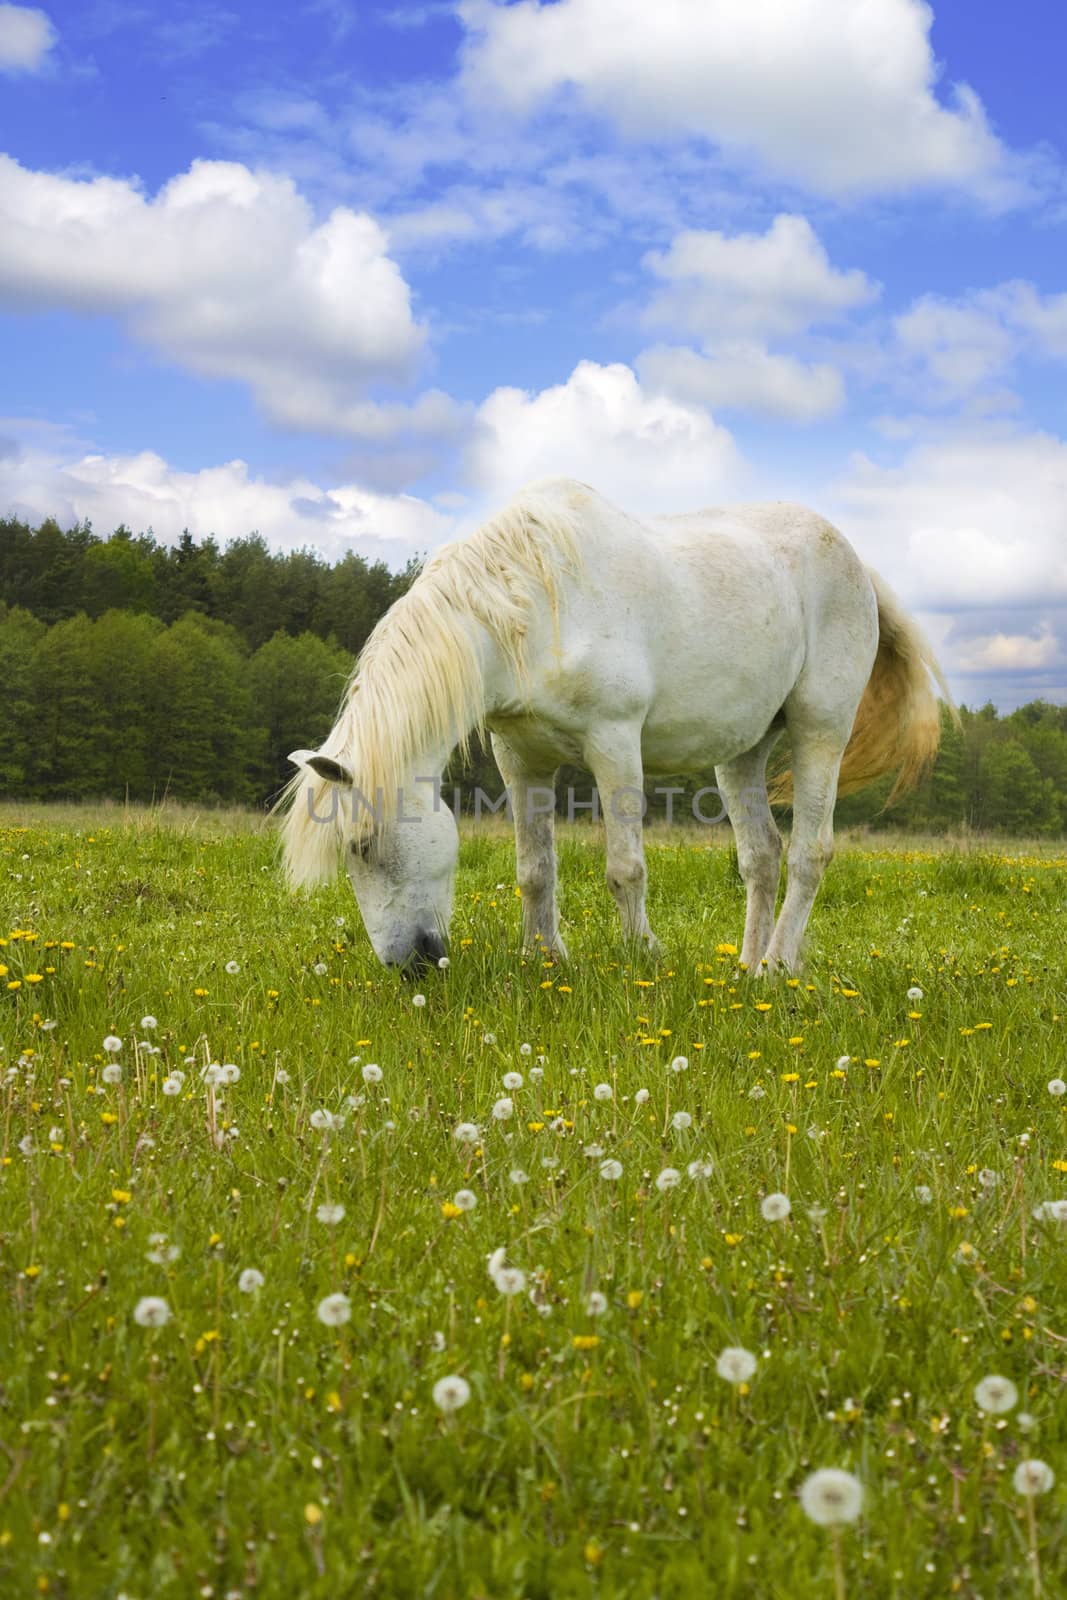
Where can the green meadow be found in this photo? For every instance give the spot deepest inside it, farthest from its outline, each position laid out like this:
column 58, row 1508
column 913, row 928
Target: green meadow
column 235, row 1269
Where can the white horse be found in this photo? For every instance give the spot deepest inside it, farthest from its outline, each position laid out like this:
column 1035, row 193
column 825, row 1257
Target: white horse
column 576, row 633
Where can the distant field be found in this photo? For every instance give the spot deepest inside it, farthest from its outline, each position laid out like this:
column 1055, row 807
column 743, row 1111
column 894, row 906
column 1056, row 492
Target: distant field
column 246, row 1447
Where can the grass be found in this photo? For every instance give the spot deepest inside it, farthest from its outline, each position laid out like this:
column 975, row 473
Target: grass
column 245, row 1448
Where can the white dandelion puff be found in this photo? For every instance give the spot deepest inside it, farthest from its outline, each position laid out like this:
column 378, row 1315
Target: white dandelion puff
column 526, row 1049
column 668, row 1179
column 172, row 1086
column 322, row 1120
column 372, row 1073
column 503, row 1108
column 995, row 1394
column 233, row 968
column 465, row 1199
column 641, row 1097
column 775, row 1207
column 466, row 1133
column 988, row 1178
column 1033, row 1477
column 596, row 1303
column 517, row 1175
column 320, row 969
column 611, row 1169
column 915, row 993
column 735, row 1364
column 112, row 1042
column 250, row 1280
column 450, row 1393
column 602, row 1092
column 112, row 1073
column 149, row 1023
column 830, row 1496
column 443, row 964
column 702, row 1168
column 843, row 1063
column 510, row 1280
column 512, row 1080
column 924, row 1194
column 151, row 1312
column 489, row 1038
column 681, row 1121
column 418, row 1001
column 334, row 1310
column 330, row 1212
column 680, row 1064
column 231, row 1072
column 1057, row 1087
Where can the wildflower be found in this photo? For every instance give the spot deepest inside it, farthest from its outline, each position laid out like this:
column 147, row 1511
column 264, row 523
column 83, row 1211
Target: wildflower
column 334, row 1310
column 320, row 969
column 172, row 1085
column 1025, row 1422
column 161, row 1252
column 593, row 1151
column 701, row 1169
column 915, row 993
column 112, row 1073
column 526, row 1049
column 668, row 1179
column 843, row 1063
column 611, row 1169
column 233, row 968
column 149, row 1023
column 450, row 1393
column 212, row 1073
column 602, row 1091
column 230, row 1072
column 372, row 1073
column 517, row 1175
column 509, row 1280
column 281, row 1076
column 596, row 1303
column 830, row 1496
column 418, row 1001
column 151, row 1312
column 679, row 1064
column 995, row 1394
column 112, row 1043
column 489, row 1038
column 330, row 1212
column 503, row 1108
column 681, row 1121
column 250, row 1280
column 735, row 1364
column 923, row 1193
column 1033, row 1477
column 640, row 1097
column 322, row 1120
column 465, row 1199
column 513, row 1080
column 775, row 1207
column 1057, row 1086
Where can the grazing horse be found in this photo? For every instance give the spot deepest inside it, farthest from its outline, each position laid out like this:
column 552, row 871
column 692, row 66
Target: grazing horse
column 573, row 632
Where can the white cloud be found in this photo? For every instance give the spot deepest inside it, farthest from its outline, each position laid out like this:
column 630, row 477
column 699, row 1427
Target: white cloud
column 26, row 37
column 226, row 272
column 839, row 96
column 744, row 377
column 646, row 451
column 1012, row 652
column 751, row 284
column 40, row 479
column 952, row 349
column 973, row 520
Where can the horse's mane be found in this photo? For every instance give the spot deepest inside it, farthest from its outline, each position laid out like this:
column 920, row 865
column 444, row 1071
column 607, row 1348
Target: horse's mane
column 419, row 682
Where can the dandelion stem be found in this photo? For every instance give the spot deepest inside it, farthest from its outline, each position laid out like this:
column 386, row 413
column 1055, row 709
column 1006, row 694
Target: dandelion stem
column 1035, row 1558
column 839, row 1566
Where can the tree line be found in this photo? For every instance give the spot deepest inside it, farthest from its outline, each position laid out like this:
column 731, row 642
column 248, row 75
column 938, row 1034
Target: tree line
column 133, row 669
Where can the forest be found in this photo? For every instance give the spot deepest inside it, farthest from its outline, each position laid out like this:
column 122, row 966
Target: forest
column 134, row 669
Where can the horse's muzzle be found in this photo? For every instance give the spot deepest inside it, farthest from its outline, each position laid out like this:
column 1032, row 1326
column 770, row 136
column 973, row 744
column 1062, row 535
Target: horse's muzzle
column 429, row 948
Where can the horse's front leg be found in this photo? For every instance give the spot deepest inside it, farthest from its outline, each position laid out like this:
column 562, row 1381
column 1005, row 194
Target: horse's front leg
column 614, row 757
column 532, row 798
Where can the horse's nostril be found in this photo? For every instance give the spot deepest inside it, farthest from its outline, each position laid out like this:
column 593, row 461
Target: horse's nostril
column 430, row 946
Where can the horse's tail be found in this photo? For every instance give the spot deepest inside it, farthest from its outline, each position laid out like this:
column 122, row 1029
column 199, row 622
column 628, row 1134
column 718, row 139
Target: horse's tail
column 898, row 723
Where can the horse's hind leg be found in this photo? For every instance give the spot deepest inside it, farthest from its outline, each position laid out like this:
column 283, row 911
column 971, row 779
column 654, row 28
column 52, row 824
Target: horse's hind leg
column 816, row 760
column 743, row 784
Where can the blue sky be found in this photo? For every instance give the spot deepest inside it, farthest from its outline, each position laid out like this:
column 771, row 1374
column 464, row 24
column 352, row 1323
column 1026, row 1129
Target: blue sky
column 352, row 273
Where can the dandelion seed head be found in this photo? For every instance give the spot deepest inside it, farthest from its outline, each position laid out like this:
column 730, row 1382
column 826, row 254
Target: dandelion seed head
column 418, row 1001
column 450, row 1393
column 148, row 1023
column 112, row 1042
column 681, row 1121
column 775, row 1207
column 334, row 1310
column 510, row 1280
column 1033, row 1477
column 512, row 1080
column 250, row 1280
column 602, row 1091
column 330, row 1212
column 735, row 1364
column 995, row 1394
column 112, row 1073
column 701, row 1168
column 641, row 1097
column 465, row 1199
column 151, row 1312
column 1057, row 1087
column 831, row 1497
column 680, row 1064
column 371, row 1073
column 923, row 1193
column 596, row 1303
column 668, row 1179
column 233, row 968
column 611, row 1169
column 915, row 993
column 503, row 1108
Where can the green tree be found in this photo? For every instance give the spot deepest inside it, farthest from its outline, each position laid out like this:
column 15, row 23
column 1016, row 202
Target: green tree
column 296, row 689
column 20, row 637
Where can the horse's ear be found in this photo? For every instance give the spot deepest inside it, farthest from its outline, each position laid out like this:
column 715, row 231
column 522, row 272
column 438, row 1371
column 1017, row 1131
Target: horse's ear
column 326, row 768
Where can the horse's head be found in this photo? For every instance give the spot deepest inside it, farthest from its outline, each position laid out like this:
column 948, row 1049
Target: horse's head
column 401, row 866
